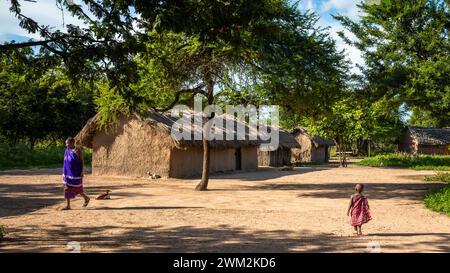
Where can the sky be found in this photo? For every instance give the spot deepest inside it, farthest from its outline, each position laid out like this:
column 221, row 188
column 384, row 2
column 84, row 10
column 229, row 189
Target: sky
column 46, row 13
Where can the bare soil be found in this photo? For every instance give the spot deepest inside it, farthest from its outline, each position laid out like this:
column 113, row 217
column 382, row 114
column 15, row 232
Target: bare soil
column 264, row 211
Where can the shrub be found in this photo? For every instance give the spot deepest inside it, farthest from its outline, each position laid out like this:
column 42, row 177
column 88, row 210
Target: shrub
column 439, row 200
column 440, row 176
column 21, row 156
column 420, row 162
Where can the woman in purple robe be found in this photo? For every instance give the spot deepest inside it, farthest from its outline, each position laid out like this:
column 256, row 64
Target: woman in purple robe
column 73, row 173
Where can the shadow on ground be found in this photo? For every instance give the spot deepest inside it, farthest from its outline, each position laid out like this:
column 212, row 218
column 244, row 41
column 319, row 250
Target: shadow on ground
column 380, row 191
column 192, row 239
column 267, row 173
column 17, row 199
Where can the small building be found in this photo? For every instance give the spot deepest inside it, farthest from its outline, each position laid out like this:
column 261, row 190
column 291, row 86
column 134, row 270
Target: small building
column 314, row 149
column 281, row 156
column 141, row 145
column 425, row 140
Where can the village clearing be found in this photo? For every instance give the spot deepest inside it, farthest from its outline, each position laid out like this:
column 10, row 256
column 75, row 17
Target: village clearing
column 264, row 211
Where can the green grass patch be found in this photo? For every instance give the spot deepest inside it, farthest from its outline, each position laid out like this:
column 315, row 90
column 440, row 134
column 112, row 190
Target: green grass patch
column 440, row 176
column 439, row 200
column 403, row 160
column 433, row 168
column 22, row 157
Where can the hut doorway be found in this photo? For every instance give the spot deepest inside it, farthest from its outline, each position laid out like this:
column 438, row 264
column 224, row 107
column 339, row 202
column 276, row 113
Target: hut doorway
column 238, row 158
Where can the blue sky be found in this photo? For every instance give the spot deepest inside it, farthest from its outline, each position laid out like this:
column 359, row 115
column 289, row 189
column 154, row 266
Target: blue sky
column 46, row 12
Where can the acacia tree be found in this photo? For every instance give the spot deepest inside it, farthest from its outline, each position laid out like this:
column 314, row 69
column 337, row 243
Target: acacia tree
column 155, row 53
column 406, row 48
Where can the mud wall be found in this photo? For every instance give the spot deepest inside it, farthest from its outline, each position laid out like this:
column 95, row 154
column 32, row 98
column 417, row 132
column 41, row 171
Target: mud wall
column 134, row 149
column 249, row 158
column 188, row 162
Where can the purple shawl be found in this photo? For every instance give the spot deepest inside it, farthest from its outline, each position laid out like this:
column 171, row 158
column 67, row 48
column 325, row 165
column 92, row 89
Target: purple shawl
column 72, row 169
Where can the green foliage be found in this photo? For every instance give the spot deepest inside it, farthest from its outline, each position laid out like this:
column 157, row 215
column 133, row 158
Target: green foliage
column 110, row 105
column 423, row 162
column 439, row 200
column 38, row 101
column 21, row 156
column 423, row 118
column 440, row 176
column 344, row 123
column 406, row 51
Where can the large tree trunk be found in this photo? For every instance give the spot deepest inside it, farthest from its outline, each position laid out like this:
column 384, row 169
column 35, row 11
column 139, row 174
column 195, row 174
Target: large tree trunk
column 203, row 185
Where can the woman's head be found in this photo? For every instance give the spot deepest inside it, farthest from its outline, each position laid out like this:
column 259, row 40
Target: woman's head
column 70, row 142
column 359, row 188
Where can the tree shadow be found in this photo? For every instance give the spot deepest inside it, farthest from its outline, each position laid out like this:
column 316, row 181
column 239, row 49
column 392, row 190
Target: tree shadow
column 145, row 208
column 22, row 198
column 188, row 239
column 180, row 239
column 380, row 191
column 267, row 173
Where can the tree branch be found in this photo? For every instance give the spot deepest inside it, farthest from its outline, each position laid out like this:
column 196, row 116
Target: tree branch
column 194, row 91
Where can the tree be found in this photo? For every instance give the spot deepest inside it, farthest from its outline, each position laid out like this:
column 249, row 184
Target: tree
column 405, row 45
column 155, row 53
column 37, row 101
column 345, row 123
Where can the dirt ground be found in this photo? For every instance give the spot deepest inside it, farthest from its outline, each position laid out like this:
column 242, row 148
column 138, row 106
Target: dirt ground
column 264, row 211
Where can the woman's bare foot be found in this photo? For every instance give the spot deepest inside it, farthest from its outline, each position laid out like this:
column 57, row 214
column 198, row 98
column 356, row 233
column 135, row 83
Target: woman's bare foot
column 66, row 208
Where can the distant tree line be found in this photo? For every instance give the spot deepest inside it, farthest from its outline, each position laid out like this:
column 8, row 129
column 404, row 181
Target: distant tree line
column 37, row 100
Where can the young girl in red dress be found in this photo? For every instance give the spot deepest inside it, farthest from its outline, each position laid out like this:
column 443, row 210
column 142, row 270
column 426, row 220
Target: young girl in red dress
column 359, row 209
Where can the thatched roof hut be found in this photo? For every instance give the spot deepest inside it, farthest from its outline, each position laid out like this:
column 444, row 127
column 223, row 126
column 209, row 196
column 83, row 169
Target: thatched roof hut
column 145, row 143
column 313, row 148
column 165, row 122
column 425, row 140
column 282, row 155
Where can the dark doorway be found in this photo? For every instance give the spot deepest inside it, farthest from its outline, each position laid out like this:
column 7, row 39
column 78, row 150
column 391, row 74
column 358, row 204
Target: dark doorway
column 238, row 158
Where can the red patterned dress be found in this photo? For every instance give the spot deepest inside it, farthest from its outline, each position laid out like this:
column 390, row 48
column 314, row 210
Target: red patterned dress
column 360, row 211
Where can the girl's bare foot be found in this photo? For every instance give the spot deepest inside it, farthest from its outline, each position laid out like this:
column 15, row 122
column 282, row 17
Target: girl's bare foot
column 66, row 208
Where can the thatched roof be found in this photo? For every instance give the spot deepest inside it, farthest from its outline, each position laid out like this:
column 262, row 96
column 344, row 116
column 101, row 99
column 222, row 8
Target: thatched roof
column 286, row 140
column 165, row 122
column 430, row 135
column 317, row 140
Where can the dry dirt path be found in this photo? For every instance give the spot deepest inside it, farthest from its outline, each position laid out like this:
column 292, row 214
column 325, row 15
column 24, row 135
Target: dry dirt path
column 264, row 211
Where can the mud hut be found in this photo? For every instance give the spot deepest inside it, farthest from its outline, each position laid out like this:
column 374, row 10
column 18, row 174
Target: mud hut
column 314, row 149
column 144, row 144
column 425, row 140
column 281, row 156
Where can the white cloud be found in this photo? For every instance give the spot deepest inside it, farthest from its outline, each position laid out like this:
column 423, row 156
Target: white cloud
column 310, row 5
column 307, row 5
column 352, row 53
column 345, row 7
column 45, row 12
